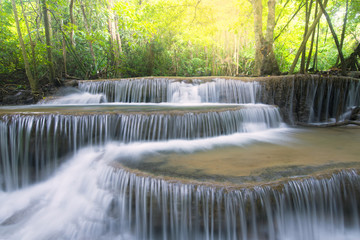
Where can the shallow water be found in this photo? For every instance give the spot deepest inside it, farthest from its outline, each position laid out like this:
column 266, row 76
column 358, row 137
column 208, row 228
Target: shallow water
column 118, row 108
column 261, row 157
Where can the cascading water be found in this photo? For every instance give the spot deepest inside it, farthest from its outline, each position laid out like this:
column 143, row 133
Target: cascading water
column 83, row 98
column 176, row 91
column 312, row 99
column 315, row 99
column 88, row 171
column 70, row 95
column 89, row 199
column 136, row 90
column 218, row 90
column 32, row 145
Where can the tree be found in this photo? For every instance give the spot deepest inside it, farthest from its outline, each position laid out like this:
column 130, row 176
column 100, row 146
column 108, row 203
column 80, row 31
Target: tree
column 92, row 39
column 338, row 46
column 114, row 39
column 34, row 83
column 306, row 38
column 72, row 22
column 32, row 43
column 265, row 61
column 307, row 18
column 48, row 42
column 88, row 30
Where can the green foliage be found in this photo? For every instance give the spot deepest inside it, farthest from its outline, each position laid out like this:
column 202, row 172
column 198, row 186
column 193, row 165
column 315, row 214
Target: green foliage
column 10, row 56
column 164, row 37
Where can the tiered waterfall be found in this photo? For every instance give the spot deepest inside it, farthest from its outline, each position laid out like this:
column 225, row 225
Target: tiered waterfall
column 67, row 173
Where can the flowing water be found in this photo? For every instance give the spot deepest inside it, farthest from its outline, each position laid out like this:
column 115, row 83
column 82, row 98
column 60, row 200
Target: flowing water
column 172, row 159
column 250, row 158
column 167, row 90
column 35, row 138
column 316, row 99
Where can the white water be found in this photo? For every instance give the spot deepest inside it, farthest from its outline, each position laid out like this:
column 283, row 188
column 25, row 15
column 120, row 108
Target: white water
column 185, row 93
column 33, row 145
column 72, row 205
column 218, row 90
column 167, row 90
column 88, row 199
column 136, row 151
column 78, row 98
column 318, row 99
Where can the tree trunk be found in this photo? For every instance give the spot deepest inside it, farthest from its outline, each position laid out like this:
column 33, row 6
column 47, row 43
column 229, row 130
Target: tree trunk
column 64, row 49
column 34, row 84
column 306, row 38
column 315, row 63
column 311, row 44
column 38, row 21
column 270, row 65
column 307, row 18
column 32, row 43
column 73, row 52
column 111, row 32
column 265, row 61
column 87, row 27
column 118, row 39
column 72, row 21
column 114, row 40
column 343, row 31
column 343, row 66
column 48, row 43
column 236, row 54
column 259, row 39
column 151, row 58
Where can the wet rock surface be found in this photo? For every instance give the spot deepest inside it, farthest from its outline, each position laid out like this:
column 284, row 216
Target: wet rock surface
column 355, row 114
column 17, row 98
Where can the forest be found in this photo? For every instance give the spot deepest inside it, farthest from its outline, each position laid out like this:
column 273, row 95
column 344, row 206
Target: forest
column 47, row 41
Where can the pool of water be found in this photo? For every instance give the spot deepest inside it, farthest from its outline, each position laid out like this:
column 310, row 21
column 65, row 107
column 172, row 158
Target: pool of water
column 255, row 157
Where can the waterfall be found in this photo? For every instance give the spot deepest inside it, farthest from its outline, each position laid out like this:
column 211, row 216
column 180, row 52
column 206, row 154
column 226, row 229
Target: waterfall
column 307, row 209
column 35, row 143
column 133, row 90
column 100, row 201
column 170, row 90
column 313, row 99
column 179, row 158
column 78, row 98
column 331, row 99
column 218, row 90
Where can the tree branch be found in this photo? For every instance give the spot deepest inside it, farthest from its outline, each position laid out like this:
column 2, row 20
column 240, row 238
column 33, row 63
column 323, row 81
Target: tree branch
column 343, row 66
column 303, row 44
column 287, row 24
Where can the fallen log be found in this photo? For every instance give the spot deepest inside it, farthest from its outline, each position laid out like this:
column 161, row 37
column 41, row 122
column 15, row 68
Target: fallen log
column 336, row 124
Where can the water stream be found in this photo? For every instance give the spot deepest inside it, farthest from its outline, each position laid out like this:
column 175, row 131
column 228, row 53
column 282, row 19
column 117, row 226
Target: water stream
column 181, row 159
